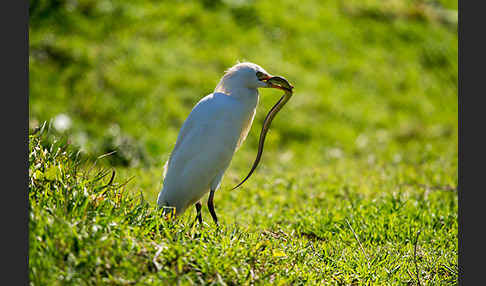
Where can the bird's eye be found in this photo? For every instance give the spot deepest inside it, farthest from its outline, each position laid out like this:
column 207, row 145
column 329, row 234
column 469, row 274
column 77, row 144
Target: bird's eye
column 260, row 75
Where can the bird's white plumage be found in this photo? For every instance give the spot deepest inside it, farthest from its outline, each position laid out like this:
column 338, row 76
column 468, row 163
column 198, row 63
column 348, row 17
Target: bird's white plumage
column 212, row 132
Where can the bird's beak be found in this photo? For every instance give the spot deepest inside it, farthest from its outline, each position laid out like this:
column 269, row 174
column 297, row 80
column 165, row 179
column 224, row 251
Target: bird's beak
column 279, row 82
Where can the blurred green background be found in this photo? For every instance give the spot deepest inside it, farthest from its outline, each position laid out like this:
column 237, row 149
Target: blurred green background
column 375, row 81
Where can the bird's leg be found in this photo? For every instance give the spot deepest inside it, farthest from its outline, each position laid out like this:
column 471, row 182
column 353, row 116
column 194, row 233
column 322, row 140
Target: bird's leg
column 211, row 207
column 198, row 212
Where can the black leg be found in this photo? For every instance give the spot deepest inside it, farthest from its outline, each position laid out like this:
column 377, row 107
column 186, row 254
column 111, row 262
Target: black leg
column 198, row 212
column 211, row 207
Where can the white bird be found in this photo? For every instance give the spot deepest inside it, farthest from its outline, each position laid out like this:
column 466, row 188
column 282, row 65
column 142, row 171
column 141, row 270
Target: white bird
column 209, row 137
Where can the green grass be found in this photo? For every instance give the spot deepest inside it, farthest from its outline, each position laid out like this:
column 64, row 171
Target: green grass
column 361, row 159
column 353, row 228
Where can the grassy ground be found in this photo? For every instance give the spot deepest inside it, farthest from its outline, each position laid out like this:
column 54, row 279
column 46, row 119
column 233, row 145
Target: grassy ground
column 360, row 163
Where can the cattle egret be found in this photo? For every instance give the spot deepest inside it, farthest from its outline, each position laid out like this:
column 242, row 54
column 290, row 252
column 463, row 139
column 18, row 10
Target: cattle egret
column 215, row 128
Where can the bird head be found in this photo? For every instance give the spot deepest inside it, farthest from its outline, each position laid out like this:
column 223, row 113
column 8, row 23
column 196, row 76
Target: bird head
column 247, row 75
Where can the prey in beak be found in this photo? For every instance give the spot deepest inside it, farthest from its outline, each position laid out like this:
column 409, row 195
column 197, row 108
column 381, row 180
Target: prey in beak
column 278, row 82
column 273, row 82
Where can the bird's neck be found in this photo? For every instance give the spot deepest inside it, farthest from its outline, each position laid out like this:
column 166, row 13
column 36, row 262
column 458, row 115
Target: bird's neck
column 243, row 93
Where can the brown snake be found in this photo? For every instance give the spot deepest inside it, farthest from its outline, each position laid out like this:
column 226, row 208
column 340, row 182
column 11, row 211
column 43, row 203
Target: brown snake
column 287, row 87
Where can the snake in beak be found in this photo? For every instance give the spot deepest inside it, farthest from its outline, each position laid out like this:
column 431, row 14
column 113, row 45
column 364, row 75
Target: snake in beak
column 280, row 83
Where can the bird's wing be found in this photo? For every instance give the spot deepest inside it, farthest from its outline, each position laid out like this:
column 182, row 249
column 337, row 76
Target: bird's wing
column 246, row 129
column 204, row 129
column 186, row 127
